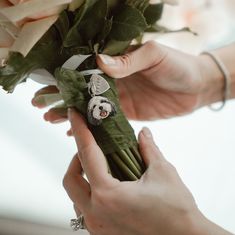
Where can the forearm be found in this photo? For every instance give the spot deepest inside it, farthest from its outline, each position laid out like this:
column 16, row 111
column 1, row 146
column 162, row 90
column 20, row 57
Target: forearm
column 213, row 89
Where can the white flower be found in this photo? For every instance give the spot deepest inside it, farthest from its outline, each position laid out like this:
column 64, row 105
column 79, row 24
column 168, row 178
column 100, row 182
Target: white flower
column 24, row 22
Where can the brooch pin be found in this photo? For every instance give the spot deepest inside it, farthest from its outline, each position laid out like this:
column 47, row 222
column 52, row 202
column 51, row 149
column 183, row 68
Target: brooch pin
column 99, row 107
column 97, row 85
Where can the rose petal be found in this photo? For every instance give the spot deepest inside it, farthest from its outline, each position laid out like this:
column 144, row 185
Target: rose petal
column 9, row 27
column 43, row 14
column 31, row 33
column 4, row 53
column 29, row 8
column 6, row 39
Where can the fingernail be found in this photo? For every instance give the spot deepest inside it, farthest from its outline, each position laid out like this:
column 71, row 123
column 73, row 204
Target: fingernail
column 108, row 60
column 147, row 133
column 45, row 116
column 38, row 101
column 70, row 113
column 57, row 121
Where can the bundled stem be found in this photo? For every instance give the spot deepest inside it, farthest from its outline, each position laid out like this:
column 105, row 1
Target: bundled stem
column 114, row 135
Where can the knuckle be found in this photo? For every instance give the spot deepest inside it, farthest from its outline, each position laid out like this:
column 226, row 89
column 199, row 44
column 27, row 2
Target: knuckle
column 127, row 60
column 151, row 45
column 66, row 181
column 127, row 63
column 156, row 53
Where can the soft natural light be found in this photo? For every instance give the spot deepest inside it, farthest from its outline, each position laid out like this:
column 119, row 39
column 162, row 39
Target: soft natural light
column 34, row 154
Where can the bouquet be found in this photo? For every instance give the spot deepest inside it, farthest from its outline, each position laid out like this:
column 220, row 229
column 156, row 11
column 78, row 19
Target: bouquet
column 56, row 42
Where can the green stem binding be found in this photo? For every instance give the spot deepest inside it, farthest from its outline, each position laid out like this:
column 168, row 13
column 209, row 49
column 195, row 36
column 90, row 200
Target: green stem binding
column 115, row 136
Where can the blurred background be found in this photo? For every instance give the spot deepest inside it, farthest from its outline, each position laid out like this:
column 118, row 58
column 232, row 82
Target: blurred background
column 34, row 154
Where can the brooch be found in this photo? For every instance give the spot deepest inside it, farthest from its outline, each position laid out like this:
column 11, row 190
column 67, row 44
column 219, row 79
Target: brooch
column 99, row 107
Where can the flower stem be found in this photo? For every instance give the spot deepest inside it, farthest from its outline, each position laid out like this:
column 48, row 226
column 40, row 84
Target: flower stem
column 116, row 173
column 132, row 157
column 123, row 168
column 129, row 163
column 136, row 153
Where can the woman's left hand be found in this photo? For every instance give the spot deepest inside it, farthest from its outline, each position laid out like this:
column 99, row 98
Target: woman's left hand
column 158, row 203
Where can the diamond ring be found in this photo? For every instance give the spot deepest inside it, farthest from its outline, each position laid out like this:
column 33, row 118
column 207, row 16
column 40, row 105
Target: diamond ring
column 78, row 223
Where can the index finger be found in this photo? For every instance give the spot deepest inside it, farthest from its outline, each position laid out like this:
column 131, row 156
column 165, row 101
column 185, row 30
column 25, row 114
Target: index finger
column 92, row 158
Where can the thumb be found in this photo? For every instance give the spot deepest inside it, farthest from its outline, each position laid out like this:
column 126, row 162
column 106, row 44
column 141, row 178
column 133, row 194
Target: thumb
column 145, row 57
column 149, row 151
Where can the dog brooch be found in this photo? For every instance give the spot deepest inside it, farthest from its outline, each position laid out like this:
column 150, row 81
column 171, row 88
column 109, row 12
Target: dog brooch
column 99, row 107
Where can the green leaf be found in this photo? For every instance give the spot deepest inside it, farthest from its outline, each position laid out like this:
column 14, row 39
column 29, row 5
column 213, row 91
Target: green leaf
column 114, row 47
column 128, row 24
column 113, row 3
column 153, row 13
column 45, row 54
column 62, row 25
column 84, row 50
column 74, row 36
column 13, row 74
column 93, row 21
column 107, row 27
column 73, row 88
column 141, row 5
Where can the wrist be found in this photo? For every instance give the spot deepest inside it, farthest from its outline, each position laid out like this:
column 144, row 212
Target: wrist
column 194, row 223
column 200, row 225
column 212, row 89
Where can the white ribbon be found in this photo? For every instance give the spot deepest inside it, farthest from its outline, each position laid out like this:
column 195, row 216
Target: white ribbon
column 42, row 76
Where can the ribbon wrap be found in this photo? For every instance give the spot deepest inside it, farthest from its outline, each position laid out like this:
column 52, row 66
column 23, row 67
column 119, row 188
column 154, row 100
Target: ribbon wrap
column 115, row 133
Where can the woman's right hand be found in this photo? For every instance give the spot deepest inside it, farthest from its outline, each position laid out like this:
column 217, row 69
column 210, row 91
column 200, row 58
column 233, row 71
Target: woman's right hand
column 156, row 82
column 157, row 203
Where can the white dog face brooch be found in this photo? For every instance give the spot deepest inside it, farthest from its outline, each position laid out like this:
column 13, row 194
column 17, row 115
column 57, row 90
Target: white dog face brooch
column 99, row 107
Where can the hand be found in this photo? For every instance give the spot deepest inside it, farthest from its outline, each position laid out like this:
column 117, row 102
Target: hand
column 156, row 82
column 158, row 203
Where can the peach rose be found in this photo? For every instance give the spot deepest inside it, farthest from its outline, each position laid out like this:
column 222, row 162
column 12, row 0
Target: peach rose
column 39, row 15
column 24, row 22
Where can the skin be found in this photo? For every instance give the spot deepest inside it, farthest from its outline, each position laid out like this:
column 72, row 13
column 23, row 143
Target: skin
column 178, row 83
column 158, row 203
column 174, row 84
